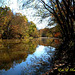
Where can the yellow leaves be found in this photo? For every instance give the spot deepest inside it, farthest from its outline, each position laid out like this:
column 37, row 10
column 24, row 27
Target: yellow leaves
column 55, row 5
column 52, row 16
column 5, row 20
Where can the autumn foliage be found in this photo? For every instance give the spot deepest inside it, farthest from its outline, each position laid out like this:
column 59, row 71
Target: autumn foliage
column 15, row 25
column 57, row 34
column 63, row 13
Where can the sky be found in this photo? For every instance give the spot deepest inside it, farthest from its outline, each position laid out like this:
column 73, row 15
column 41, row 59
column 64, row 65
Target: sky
column 15, row 6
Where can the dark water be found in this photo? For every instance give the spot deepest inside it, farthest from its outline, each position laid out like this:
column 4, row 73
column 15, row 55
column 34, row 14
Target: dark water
column 30, row 58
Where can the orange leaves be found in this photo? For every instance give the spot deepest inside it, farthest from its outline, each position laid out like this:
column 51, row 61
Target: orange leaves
column 57, row 41
column 52, row 16
column 57, row 34
column 58, row 15
column 55, row 5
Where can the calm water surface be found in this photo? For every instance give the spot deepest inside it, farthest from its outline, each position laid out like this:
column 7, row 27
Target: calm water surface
column 32, row 58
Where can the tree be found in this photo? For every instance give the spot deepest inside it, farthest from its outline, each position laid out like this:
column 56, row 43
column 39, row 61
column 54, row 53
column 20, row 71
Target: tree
column 33, row 32
column 64, row 16
column 61, row 12
column 5, row 19
column 19, row 25
column 15, row 26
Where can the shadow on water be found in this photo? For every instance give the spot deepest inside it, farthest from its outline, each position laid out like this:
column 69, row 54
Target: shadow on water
column 27, row 58
column 64, row 62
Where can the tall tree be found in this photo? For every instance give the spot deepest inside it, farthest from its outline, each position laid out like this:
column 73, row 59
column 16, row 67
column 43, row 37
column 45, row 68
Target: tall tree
column 63, row 13
column 5, row 19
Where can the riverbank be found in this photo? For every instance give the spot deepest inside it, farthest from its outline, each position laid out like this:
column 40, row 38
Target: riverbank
column 15, row 52
column 64, row 62
column 46, row 41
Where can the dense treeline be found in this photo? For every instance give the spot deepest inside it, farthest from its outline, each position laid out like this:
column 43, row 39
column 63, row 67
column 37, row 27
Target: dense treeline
column 15, row 25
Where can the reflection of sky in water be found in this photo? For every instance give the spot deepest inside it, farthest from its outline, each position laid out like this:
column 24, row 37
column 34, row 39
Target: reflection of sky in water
column 35, row 63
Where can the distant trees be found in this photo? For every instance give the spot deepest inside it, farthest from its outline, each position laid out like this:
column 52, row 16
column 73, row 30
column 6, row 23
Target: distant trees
column 52, row 32
column 15, row 26
column 45, row 32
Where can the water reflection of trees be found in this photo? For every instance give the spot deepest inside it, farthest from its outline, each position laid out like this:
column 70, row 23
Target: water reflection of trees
column 17, row 51
column 50, row 42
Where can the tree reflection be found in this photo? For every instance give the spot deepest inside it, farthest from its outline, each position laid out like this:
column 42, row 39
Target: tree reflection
column 19, row 50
